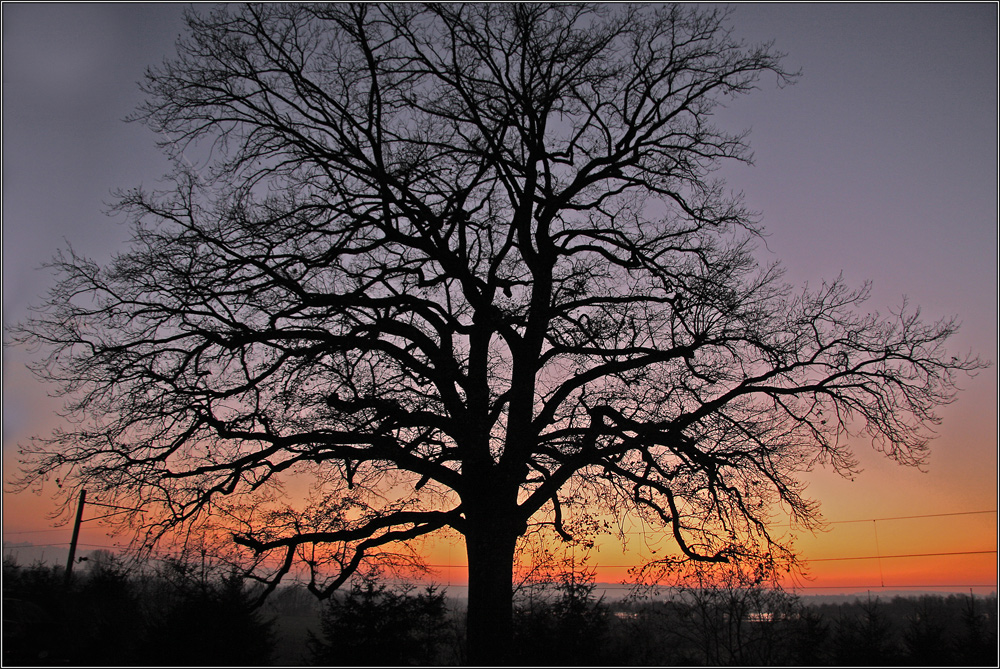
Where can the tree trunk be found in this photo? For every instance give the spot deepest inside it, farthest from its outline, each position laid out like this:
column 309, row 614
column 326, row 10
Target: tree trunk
column 490, row 626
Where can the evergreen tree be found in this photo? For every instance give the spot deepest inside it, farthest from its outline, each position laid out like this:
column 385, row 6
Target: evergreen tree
column 374, row 624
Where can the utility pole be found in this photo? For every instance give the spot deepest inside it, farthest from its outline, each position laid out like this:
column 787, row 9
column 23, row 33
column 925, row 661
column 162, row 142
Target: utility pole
column 76, row 535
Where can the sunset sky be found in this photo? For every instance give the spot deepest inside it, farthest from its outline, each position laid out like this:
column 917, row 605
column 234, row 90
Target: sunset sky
column 879, row 163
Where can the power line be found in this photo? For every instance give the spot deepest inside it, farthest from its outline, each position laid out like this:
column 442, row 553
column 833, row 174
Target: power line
column 873, row 520
column 866, row 557
column 889, row 586
column 830, row 522
column 893, row 586
column 57, row 529
column 611, row 566
column 924, row 515
column 910, row 555
column 624, row 566
column 625, row 586
column 63, row 543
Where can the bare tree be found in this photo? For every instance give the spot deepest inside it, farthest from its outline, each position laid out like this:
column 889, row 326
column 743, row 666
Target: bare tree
column 728, row 614
column 461, row 267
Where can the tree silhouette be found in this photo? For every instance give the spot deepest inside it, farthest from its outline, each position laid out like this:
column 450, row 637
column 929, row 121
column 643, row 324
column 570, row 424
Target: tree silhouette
column 866, row 636
column 374, row 624
column 203, row 613
column 558, row 621
column 925, row 637
column 460, row 267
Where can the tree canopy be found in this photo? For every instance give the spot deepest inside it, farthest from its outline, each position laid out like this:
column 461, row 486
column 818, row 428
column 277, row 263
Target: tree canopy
column 461, row 266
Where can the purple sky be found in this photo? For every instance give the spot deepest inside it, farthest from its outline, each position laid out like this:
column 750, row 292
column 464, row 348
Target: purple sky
column 881, row 163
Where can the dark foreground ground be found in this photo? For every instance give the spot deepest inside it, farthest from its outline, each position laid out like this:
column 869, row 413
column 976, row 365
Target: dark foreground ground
column 184, row 615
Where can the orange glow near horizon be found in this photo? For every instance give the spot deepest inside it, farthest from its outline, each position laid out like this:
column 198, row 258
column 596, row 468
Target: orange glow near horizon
column 845, row 559
column 948, row 550
column 949, row 553
column 888, row 511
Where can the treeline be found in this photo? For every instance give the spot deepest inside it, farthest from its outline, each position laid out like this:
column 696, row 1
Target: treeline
column 172, row 613
column 190, row 613
column 699, row 628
